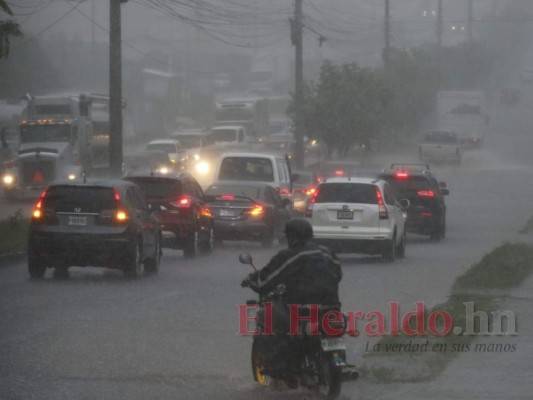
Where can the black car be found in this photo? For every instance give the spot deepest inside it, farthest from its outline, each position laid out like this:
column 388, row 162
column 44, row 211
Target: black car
column 248, row 211
column 179, row 204
column 426, row 214
column 103, row 223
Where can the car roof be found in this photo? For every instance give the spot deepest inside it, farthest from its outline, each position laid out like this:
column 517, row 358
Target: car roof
column 189, row 133
column 163, row 141
column 255, row 155
column 241, row 183
column 157, row 175
column 353, row 179
column 227, row 127
column 91, row 182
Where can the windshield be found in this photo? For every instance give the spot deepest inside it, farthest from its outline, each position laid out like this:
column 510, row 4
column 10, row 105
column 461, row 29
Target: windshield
column 79, row 199
column 362, row 193
column 158, row 188
column 190, row 141
column 236, row 190
column 406, row 188
column 246, row 169
column 44, row 133
column 166, row 147
column 224, row 135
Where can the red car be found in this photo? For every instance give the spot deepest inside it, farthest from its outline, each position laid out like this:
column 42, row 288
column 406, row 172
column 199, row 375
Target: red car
column 179, row 204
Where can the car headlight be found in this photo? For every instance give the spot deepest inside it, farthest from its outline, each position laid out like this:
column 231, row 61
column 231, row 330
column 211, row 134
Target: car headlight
column 71, row 177
column 8, row 179
column 163, row 170
column 197, row 157
column 202, row 168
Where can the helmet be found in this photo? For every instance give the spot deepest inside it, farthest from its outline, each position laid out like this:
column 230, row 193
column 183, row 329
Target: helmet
column 299, row 230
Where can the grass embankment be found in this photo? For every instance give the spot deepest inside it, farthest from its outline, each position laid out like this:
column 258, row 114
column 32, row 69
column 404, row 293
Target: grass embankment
column 483, row 285
column 13, row 234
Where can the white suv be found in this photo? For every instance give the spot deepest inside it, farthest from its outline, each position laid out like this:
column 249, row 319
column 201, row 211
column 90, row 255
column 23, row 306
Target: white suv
column 358, row 215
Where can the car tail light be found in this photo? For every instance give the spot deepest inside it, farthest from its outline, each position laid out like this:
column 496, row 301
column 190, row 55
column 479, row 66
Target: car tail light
column 121, row 216
column 320, row 179
column 310, row 204
column 426, row 214
column 206, row 212
column 182, row 202
column 37, row 211
column 227, row 197
column 426, row 193
column 311, row 191
column 257, row 210
column 284, row 192
column 339, row 172
column 383, row 213
column 402, row 174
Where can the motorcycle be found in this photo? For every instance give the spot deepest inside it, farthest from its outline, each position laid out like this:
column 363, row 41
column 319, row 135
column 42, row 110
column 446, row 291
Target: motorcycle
column 314, row 358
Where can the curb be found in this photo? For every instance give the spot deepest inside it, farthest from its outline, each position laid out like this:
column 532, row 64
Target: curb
column 8, row 259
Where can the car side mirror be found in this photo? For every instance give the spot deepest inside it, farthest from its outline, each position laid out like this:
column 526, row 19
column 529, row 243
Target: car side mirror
column 442, row 184
column 404, row 204
column 245, row 258
column 444, row 192
column 286, row 203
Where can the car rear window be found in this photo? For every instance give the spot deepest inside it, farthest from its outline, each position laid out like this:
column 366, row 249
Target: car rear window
column 362, row 193
column 406, row 187
column 158, row 188
column 224, row 135
column 246, row 169
column 79, row 199
column 440, row 137
column 236, row 190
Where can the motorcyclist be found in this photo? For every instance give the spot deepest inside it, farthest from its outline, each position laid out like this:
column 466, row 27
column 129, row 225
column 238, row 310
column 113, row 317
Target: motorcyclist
column 310, row 274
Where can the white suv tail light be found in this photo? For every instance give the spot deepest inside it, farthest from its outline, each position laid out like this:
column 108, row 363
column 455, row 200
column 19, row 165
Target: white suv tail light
column 383, row 213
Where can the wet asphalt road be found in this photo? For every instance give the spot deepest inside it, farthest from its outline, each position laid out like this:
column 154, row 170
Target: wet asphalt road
column 174, row 335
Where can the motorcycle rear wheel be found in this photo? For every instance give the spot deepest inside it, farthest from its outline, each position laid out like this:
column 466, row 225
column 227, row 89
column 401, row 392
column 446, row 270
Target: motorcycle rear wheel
column 257, row 366
column 330, row 380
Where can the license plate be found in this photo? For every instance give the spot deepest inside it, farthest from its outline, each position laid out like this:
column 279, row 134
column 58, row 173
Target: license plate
column 226, row 213
column 331, row 344
column 77, row 221
column 344, row 214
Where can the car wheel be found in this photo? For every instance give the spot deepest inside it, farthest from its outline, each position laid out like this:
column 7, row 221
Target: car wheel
column 61, row 272
column 389, row 253
column 210, row 242
column 36, row 268
column 134, row 266
column 151, row 265
column 400, row 249
column 191, row 248
column 439, row 232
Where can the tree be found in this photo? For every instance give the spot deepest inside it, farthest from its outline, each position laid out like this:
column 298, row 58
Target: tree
column 8, row 28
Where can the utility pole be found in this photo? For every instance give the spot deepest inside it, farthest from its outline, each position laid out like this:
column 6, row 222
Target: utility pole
column 297, row 41
column 115, row 88
column 470, row 19
column 386, row 52
column 439, row 26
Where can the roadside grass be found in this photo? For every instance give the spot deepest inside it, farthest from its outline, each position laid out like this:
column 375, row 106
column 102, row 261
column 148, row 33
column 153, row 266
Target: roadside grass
column 14, row 234
column 482, row 287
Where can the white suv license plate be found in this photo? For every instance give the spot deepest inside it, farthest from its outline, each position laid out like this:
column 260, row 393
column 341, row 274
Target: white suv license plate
column 344, row 214
column 77, row 221
column 331, row 344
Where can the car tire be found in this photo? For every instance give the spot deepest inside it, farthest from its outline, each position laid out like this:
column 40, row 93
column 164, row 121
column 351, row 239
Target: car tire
column 210, row 242
column 151, row 265
column 191, row 247
column 36, row 268
column 400, row 249
column 61, row 272
column 389, row 252
column 134, row 265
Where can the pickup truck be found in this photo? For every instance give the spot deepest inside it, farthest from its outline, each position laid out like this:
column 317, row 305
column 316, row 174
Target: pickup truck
column 440, row 146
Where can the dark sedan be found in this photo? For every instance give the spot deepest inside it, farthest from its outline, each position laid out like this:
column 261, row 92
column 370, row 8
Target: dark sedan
column 248, row 211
